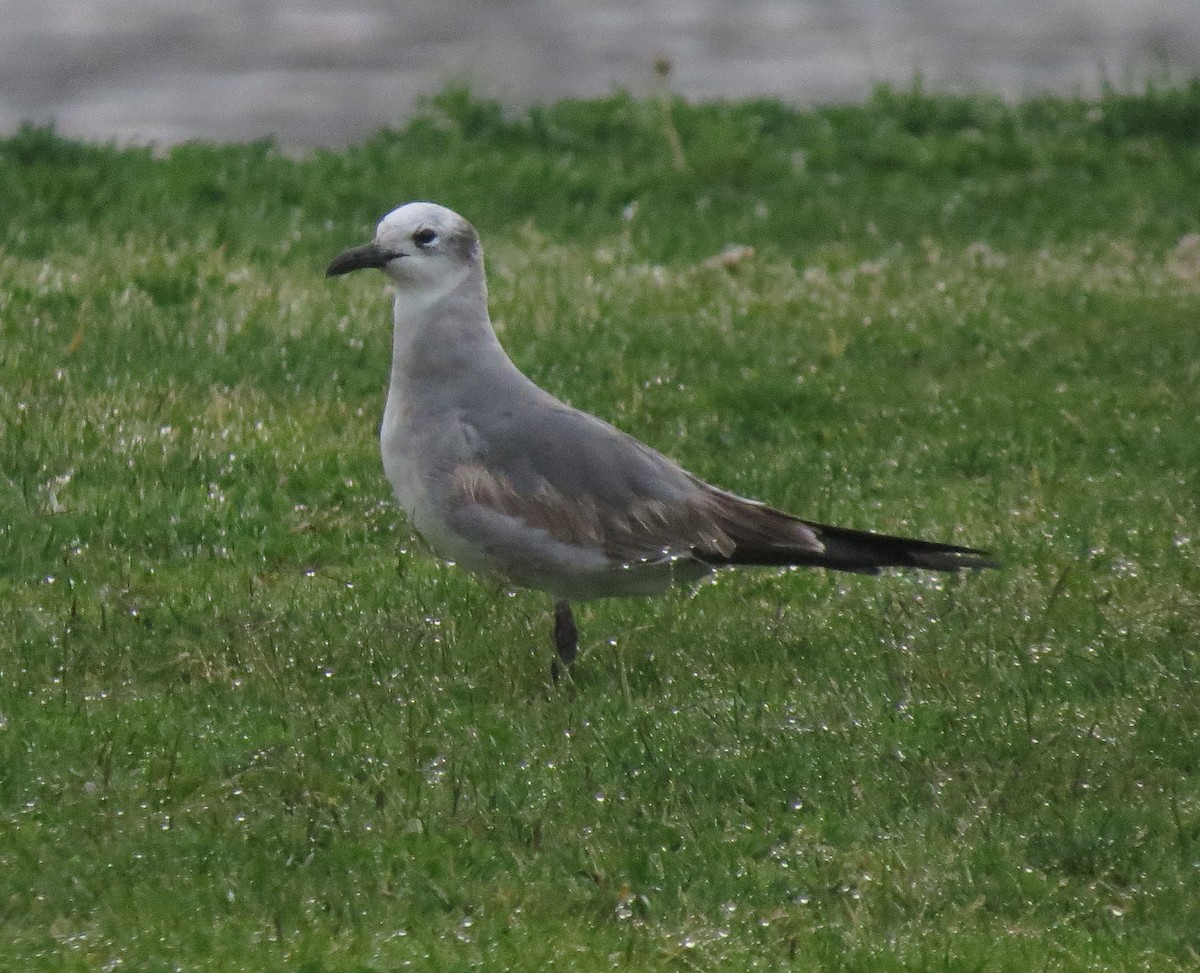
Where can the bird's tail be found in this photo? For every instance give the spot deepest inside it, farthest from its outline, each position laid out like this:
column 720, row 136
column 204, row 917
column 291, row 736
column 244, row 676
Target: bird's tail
column 764, row 536
column 864, row 552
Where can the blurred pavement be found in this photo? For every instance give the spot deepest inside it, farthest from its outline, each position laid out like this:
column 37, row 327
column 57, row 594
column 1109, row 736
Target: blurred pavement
column 312, row 72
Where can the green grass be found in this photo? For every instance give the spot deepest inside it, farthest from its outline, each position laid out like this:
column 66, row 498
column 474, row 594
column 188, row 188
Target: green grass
column 246, row 723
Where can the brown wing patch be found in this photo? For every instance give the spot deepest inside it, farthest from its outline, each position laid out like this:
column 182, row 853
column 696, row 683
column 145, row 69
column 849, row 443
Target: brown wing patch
column 646, row 529
column 753, row 525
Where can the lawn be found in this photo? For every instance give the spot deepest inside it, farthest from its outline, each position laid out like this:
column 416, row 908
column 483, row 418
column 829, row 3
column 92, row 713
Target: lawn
column 248, row 723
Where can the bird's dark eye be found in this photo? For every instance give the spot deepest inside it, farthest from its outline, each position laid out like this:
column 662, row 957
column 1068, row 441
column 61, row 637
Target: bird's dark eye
column 424, row 237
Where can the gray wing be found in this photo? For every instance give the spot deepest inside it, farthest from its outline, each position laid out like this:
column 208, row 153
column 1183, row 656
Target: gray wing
column 584, row 483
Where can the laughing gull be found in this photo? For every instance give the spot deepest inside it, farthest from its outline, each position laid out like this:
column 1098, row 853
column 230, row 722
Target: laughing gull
column 501, row 477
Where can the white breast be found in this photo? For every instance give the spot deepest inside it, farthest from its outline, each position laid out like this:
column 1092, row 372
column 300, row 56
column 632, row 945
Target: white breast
column 407, row 462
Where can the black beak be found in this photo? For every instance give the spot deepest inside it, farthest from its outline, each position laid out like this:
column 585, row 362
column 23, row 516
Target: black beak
column 359, row 258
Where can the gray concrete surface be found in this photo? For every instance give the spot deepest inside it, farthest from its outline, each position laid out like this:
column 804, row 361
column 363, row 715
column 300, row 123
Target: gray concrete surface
column 312, row 72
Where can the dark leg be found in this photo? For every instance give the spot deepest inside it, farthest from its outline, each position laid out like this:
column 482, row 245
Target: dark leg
column 566, row 635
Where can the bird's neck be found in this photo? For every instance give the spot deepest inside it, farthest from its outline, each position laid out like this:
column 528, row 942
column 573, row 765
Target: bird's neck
column 441, row 337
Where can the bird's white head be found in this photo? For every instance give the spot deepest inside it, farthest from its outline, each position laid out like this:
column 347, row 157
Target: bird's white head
column 423, row 247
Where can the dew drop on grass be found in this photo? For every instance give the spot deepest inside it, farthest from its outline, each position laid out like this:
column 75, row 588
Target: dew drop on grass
column 1125, row 568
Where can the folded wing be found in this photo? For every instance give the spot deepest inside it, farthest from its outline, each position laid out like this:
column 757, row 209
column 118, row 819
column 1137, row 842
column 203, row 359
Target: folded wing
column 586, row 484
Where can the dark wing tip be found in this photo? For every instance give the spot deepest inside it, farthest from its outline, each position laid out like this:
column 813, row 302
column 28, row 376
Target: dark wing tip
column 947, row 557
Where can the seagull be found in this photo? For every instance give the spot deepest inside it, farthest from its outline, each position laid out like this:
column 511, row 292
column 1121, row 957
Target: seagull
column 501, row 477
